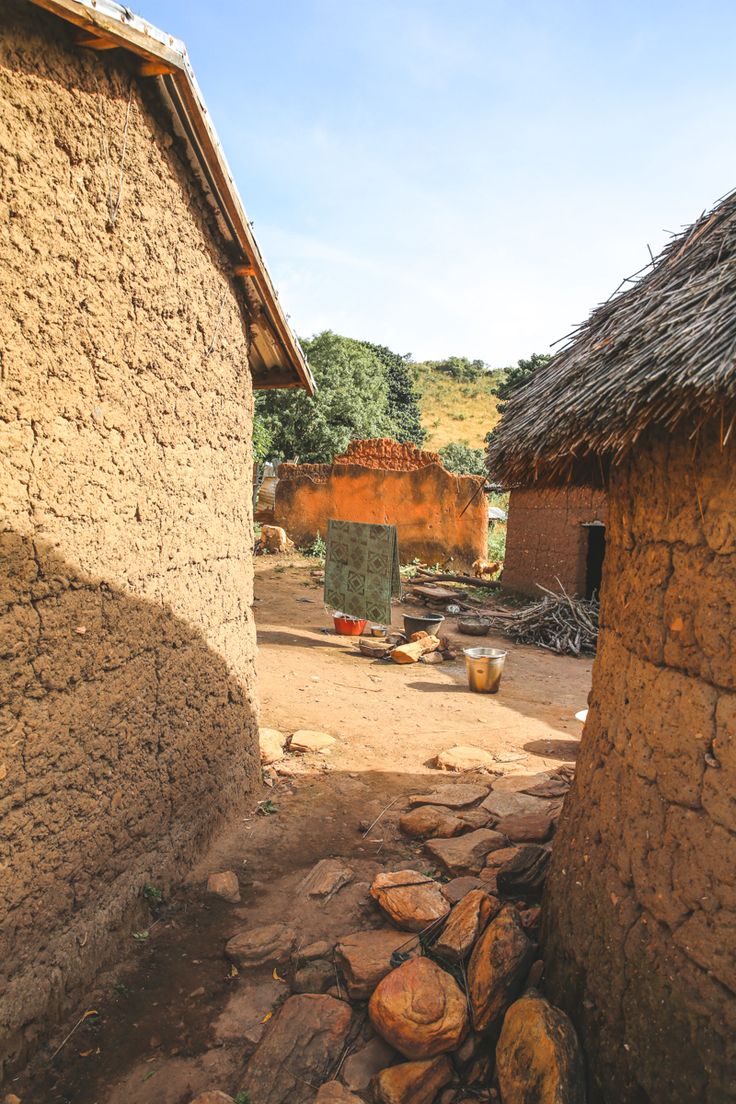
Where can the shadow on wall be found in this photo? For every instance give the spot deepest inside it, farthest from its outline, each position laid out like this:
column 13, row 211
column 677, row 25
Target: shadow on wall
column 124, row 739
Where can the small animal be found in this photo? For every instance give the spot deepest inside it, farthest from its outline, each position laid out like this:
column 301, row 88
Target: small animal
column 481, row 568
column 274, row 539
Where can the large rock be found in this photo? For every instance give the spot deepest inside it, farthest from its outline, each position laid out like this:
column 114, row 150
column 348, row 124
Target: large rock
column 498, row 967
column 359, row 1069
column 420, row 1010
column 412, row 1082
column 307, row 740
column 526, row 827
column 465, row 923
column 552, row 787
column 314, row 977
column 364, row 958
column 466, row 854
column 225, row 885
column 523, row 874
column 271, row 745
column 301, row 1048
column 241, row 1020
column 456, row 888
column 325, row 878
column 412, row 900
column 454, row 795
column 495, row 862
column 269, row 945
column 332, row 1092
column 538, row 1056
column 473, row 818
column 429, row 821
column 500, row 805
column 463, row 757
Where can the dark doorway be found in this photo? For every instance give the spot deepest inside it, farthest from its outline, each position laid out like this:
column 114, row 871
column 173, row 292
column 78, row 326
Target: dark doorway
column 594, row 559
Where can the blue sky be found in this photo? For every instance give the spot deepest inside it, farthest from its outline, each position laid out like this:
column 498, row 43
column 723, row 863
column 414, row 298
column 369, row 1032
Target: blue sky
column 464, row 178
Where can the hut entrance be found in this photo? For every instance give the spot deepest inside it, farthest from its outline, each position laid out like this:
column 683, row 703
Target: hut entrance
column 596, row 550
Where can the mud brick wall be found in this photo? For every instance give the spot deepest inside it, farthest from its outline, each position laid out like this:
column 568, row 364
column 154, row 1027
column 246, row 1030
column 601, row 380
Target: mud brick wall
column 545, row 537
column 641, row 908
column 388, row 483
column 127, row 715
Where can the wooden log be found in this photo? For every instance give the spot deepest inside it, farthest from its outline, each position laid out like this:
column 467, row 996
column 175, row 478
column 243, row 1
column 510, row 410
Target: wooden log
column 410, row 653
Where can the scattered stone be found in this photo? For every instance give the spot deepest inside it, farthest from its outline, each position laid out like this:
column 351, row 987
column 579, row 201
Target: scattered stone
column 332, row 1092
column 213, row 1097
column 429, row 821
column 241, row 1020
column 456, row 888
column 553, row 787
column 500, row 805
column 498, row 966
column 410, row 899
column 538, row 1055
column 305, row 1038
column 432, row 657
column 420, row 1010
column 519, row 783
column 463, row 758
column 325, row 879
column 466, row 854
column 454, row 795
column 272, row 745
column 536, row 971
column 467, row 920
column 489, row 877
column 306, row 740
column 412, row 1082
column 526, row 827
column 314, row 977
column 474, row 818
column 530, row 918
column 364, row 958
column 360, row 1068
column 524, row 873
column 269, row 945
column 510, row 756
column 224, row 885
column 320, row 949
column 496, row 859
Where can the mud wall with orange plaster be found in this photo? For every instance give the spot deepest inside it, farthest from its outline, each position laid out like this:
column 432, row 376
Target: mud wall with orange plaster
column 127, row 689
column 440, row 517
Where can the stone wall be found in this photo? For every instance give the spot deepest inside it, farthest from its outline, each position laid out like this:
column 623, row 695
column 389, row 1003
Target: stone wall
column 440, row 517
column 546, row 538
column 127, row 713
column 641, row 908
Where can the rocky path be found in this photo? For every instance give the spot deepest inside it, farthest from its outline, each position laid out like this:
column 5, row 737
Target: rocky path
column 377, row 924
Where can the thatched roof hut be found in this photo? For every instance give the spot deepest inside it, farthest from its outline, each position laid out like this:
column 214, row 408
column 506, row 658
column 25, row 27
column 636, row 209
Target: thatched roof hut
column 660, row 352
column 640, row 916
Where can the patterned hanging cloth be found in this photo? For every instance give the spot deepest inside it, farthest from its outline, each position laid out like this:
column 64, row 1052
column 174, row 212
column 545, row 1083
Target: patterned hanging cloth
column 362, row 569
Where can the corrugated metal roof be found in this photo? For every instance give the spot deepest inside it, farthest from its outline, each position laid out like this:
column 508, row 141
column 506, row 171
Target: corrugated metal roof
column 277, row 357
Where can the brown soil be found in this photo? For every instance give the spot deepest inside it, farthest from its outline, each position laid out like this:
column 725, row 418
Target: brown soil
column 153, row 1038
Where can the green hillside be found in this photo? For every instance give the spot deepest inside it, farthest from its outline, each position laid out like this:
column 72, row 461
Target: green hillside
column 453, row 409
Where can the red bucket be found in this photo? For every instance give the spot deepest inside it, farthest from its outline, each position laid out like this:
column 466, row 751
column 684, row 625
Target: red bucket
column 349, row 626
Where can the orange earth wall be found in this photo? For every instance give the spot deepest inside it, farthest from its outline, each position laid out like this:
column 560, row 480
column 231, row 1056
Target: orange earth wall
column 384, row 482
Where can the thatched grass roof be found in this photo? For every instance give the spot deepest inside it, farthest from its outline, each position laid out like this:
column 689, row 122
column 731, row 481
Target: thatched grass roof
column 661, row 352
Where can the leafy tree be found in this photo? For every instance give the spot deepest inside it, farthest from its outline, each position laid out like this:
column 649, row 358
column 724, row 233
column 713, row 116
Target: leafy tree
column 459, row 368
column 351, row 402
column 262, row 440
column 463, row 460
column 516, row 375
column 403, row 400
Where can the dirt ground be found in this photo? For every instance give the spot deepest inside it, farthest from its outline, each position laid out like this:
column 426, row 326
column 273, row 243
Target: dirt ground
column 170, row 1020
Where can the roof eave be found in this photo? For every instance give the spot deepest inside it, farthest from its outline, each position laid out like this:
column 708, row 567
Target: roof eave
column 278, row 358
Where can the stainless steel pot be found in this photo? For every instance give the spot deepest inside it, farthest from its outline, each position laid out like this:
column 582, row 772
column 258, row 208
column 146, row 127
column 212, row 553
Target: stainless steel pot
column 485, row 667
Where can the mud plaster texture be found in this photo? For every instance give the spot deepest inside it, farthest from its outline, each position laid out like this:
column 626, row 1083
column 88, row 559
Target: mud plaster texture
column 440, row 517
column 546, row 538
column 641, row 906
column 127, row 719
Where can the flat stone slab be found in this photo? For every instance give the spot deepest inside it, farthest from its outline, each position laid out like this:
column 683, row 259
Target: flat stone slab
column 466, row 854
column 500, row 805
column 325, row 879
column 270, row 944
column 241, row 1020
column 451, row 796
column 364, row 958
column 309, row 740
column 526, row 827
column 464, row 757
column 519, row 783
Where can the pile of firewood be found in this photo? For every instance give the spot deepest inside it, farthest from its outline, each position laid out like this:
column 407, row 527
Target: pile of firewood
column 568, row 626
